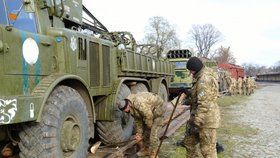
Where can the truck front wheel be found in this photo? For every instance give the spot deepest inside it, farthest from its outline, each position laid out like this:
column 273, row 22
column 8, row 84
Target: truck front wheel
column 63, row 130
column 121, row 128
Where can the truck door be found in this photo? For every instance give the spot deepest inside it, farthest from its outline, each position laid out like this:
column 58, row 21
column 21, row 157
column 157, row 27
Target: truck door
column 28, row 54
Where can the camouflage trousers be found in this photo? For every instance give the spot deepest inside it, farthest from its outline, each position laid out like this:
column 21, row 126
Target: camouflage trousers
column 244, row 90
column 151, row 135
column 239, row 90
column 206, row 138
column 230, row 89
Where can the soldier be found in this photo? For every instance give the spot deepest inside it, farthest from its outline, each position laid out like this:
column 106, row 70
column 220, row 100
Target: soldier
column 229, row 83
column 251, row 85
column 254, row 85
column 147, row 110
column 244, row 85
column 248, row 85
column 239, row 83
column 233, row 85
column 205, row 113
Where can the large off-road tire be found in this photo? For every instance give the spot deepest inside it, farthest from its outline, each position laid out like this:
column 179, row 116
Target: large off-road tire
column 139, row 87
column 121, row 128
column 63, row 131
column 163, row 92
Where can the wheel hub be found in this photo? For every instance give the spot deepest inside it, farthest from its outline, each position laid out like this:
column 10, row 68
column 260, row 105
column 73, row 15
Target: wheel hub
column 70, row 135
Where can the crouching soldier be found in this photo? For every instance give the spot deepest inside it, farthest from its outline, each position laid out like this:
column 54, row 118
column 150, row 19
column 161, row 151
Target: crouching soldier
column 147, row 109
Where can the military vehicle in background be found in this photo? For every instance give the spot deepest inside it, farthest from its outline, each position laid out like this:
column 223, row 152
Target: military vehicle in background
column 62, row 75
column 182, row 78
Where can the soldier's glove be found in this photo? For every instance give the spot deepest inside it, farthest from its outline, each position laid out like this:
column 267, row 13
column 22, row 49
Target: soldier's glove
column 185, row 90
column 187, row 101
column 191, row 121
column 193, row 130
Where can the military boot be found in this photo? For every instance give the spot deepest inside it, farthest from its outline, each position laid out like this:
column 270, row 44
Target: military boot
column 153, row 154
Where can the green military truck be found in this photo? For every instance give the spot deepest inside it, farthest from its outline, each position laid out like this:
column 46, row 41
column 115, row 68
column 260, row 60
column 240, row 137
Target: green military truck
column 61, row 75
column 182, row 78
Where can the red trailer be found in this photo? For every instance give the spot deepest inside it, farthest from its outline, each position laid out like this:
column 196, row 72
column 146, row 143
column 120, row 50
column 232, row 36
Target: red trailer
column 235, row 70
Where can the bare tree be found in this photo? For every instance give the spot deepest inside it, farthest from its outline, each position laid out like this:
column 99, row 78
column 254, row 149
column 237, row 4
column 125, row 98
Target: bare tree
column 224, row 55
column 161, row 34
column 204, row 37
column 276, row 67
column 252, row 69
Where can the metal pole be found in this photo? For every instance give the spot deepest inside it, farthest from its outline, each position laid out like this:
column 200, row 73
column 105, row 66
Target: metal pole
column 179, row 96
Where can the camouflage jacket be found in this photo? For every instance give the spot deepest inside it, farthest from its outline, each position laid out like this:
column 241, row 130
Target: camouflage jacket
column 228, row 80
column 205, row 109
column 145, row 108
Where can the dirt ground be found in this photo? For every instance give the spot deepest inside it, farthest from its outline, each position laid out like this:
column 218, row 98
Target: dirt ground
column 262, row 112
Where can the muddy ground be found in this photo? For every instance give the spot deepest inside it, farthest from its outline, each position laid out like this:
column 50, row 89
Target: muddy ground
column 261, row 112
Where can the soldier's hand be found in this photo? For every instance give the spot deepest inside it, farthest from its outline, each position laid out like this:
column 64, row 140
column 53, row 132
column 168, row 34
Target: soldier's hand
column 138, row 136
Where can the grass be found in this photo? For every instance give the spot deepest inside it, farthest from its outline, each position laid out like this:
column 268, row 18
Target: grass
column 228, row 133
column 231, row 132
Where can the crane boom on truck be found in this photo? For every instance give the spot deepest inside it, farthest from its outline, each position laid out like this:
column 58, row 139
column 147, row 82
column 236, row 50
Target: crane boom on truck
column 61, row 76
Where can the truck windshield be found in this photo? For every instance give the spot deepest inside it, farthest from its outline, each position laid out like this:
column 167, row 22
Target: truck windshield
column 180, row 64
column 13, row 13
column 3, row 13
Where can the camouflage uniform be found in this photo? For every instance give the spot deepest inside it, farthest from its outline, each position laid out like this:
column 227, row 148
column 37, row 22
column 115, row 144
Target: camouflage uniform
column 244, row 85
column 248, row 86
column 229, row 84
column 251, row 85
column 239, row 83
column 254, row 85
column 205, row 113
column 147, row 110
column 233, row 85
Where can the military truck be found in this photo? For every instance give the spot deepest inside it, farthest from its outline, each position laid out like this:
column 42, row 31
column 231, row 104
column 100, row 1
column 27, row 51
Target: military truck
column 62, row 74
column 182, row 78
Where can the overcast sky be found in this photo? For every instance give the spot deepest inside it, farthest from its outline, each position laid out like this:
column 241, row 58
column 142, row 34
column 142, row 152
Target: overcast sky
column 250, row 27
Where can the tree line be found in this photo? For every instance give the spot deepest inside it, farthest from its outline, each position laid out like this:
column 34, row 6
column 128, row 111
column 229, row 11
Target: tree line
column 202, row 39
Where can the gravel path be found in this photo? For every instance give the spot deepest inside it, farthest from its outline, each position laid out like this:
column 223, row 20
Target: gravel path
column 262, row 112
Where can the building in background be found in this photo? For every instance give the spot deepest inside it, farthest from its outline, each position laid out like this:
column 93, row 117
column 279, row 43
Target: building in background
column 235, row 70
